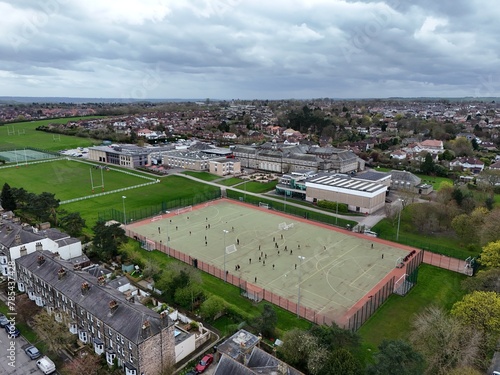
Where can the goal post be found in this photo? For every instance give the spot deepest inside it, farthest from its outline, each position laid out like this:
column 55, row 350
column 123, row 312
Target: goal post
column 231, row 249
column 399, row 263
column 184, row 210
column 264, row 205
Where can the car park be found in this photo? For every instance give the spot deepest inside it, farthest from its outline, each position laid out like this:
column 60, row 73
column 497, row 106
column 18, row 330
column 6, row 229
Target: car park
column 204, row 363
column 12, row 330
column 32, row 352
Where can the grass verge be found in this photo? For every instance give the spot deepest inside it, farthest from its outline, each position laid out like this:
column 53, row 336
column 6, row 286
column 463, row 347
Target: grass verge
column 435, row 286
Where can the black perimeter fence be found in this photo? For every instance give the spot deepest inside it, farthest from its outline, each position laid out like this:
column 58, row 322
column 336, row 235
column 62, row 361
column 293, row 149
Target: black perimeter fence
column 353, row 323
column 291, row 210
column 158, row 209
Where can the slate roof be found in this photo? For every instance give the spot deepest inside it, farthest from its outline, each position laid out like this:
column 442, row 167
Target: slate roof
column 228, row 366
column 9, row 232
column 128, row 319
column 262, row 362
column 404, row 176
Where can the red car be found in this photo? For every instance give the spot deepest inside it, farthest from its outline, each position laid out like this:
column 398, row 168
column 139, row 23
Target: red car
column 204, row 363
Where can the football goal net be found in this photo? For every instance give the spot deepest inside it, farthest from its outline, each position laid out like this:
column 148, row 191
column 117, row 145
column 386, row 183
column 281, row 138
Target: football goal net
column 184, row 210
column 263, row 205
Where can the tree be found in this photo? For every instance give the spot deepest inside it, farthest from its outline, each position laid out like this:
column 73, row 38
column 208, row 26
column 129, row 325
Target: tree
column 465, row 226
column 428, row 165
column 72, row 223
column 54, row 335
column 444, row 342
column 490, row 256
column 44, row 207
column 188, row 296
column 7, row 200
column 25, row 308
column 485, row 280
column 490, row 229
column 212, row 307
column 397, row 357
column 297, row 347
column 341, row 361
column 266, row 322
column 84, row 363
column 107, row 239
column 333, row 337
column 480, row 311
column 461, row 147
column 467, row 370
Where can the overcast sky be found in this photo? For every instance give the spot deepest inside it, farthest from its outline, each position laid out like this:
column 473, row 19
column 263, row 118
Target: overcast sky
column 249, row 49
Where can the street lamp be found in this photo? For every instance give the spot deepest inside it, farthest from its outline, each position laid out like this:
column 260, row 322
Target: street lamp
column 168, row 242
column 124, row 214
column 225, row 274
column 399, row 219
column 337, row 210
column 301, row 258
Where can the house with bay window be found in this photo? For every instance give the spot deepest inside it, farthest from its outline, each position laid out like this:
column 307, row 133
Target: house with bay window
column 139, row 339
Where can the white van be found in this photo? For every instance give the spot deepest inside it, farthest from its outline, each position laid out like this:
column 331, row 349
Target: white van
column 46, row 365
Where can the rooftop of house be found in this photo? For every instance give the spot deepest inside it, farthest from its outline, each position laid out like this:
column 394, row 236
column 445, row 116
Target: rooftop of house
column 405, row 176
column 241, row 343
column 130, row 319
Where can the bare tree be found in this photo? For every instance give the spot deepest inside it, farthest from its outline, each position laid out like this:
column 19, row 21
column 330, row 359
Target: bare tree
column 84, row 363
column 55, row 335
column 444, row 342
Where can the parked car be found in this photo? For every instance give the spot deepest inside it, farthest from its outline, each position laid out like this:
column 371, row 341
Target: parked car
column 204, row 363
column 4, row 320
column 46, row 365
column 12, row 330
column 192, row 372
column 32, row 352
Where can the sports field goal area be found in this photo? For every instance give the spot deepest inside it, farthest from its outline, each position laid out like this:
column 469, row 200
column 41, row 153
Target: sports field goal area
column 331, row 269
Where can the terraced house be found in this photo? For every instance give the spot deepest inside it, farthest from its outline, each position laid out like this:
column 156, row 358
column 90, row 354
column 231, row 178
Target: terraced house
column 140, row 340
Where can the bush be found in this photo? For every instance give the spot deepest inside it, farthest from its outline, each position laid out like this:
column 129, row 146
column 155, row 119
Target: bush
column 333, row 206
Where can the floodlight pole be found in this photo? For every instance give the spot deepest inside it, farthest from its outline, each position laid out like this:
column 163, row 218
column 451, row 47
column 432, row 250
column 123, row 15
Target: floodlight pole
column 124, row 214
column 301, row 258
column 225, row 274
column 168, row 243
column 337, row 210
column 399, row 220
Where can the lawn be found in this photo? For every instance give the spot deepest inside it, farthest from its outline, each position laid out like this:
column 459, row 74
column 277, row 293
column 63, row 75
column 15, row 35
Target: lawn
column 231, row 181
column 435, row 287
column 66, row 179
column 258, row 187
column 205, row 176
column 26, row 135
column 439, row 243
column 170, row 188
